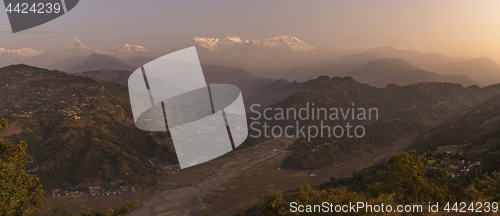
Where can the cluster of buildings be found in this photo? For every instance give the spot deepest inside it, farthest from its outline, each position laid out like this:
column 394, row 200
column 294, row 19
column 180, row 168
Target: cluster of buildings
column 97, row 191
column 58, row 193
column 454, row 168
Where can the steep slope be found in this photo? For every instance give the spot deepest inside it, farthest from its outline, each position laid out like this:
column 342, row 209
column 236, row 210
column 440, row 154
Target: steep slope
column 100, row 62
column 473, row 136
column 79, row 130
column 473, row 127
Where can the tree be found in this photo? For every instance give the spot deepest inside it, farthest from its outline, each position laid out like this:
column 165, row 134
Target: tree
column 279, row 203
column 276, row 203
column 20, row 193
column 405, row 175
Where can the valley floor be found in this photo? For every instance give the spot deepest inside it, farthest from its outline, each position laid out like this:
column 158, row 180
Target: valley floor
column 248, row 176
column 229, row 184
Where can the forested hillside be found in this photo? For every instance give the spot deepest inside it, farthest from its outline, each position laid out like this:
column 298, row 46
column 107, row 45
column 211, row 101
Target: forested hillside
column 79, row 130
column 404, row 111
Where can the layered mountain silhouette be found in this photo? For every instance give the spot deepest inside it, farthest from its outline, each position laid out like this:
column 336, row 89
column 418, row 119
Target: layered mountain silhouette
column 280, row 51
column 331, row 68
column 378, row 71
column 281, row 57
column 386, row 71
column 483, row 70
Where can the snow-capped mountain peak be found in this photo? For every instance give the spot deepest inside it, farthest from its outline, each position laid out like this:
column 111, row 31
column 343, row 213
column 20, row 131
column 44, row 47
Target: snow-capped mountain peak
column 285, row 38
column 232, row 38
column 207, row 43
column 290, row 41
column 22, row 53
column 282, row 41
column 75, row 43
column 129, row 48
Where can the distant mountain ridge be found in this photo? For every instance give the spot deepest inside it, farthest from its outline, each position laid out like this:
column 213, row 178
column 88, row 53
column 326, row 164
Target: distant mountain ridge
column 100, row 62
column 281, row 51
column 114, row 76
column 214, row 44
column 65, row 64
column 281, row 57
column 420, row 76
column 483, row 70
column 331, row 68
column 75, row 48
column 378, row 71
column 21, row 53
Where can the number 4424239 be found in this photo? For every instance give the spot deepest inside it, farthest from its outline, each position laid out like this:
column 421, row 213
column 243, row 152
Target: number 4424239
column 39, row 8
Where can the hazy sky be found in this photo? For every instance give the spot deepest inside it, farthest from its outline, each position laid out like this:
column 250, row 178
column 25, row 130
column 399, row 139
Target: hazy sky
column 455, row 28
